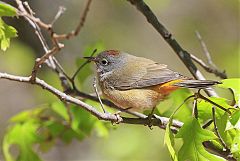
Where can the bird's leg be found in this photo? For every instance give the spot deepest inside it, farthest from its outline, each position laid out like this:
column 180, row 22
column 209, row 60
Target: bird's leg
column 150, row 116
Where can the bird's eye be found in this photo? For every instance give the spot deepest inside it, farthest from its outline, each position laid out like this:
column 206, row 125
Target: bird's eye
column 104, row 62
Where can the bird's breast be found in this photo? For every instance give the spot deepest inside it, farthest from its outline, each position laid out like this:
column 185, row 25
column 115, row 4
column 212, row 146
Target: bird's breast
column 135, row 99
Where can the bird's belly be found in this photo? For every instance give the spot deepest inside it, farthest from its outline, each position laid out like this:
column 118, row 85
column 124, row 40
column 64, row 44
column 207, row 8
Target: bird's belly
column 135, row 99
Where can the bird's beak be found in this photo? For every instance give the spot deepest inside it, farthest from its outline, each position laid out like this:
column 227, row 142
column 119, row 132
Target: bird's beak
column 90, row 58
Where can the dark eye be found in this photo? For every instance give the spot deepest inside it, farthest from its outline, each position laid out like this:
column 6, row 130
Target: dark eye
column 104, row 62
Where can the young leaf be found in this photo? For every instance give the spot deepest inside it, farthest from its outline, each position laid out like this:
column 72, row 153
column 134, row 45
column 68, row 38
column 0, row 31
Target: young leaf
column 83, row 121
column 234, row 84
column 101, row 129
column 6, row 32
column 193, row 136
column 24, row 135
column 7, row 10
column 205, row 108
column 235, row 118
column 221, row 126
column 235, row 147
column 60, row 109
column 169, row 141
column 175, row 99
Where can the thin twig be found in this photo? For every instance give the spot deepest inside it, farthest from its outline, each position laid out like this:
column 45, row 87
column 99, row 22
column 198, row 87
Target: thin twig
column 209, row 69
column 96, row 91
column 40, row 61
column 61, row 10
column 205, row 50
column 213, row 103
column 208, row 123
column 79, row 26
column 216, row 130
column 36, row 23
column 195, row 110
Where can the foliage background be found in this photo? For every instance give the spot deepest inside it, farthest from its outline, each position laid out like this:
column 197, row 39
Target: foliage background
column 118, row 25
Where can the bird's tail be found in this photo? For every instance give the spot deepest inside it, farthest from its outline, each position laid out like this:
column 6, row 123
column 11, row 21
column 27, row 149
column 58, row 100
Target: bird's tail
column 196, row 83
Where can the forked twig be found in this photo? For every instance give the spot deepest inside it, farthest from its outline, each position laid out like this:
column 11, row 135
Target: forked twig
column 79, row 26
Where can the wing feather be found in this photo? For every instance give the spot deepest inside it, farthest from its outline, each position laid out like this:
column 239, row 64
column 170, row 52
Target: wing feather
column 144, row 74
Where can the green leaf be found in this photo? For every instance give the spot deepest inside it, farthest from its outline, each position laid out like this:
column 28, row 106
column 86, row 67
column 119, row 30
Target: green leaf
column 7, row 10
column 221, row 123
column 27, row 114
column 24, row 135
column 60, row 109
column 82, row 121
column 169, row 140
column 70, row 134
column 234, row 84
column 235, row 118
column 205, row 108
column 235, row 147
column 6, row 32
column 101, row 129
column 193, row 136
column 175, row 99
column 55, row 128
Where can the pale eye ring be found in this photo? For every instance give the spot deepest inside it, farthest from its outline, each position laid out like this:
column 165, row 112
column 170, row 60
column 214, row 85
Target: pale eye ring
column 104, row 62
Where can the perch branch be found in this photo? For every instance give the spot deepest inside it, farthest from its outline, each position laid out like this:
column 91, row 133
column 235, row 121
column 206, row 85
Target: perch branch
column 157, row 121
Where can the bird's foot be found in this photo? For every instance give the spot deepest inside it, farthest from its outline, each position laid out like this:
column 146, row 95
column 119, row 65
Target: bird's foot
column 150, row 121
column 119, row 118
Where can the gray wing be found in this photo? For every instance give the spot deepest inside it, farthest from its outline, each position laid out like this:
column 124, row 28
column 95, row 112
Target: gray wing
column 142, row 77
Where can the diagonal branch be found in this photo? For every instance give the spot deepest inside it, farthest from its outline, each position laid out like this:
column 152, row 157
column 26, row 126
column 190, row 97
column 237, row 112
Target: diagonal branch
column 167, row 36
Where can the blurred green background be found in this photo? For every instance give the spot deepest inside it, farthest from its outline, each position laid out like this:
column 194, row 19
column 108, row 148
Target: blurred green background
column 118, row 25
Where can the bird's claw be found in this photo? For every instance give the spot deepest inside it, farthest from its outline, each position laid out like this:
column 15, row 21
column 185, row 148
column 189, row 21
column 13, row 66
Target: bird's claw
column 118, row 118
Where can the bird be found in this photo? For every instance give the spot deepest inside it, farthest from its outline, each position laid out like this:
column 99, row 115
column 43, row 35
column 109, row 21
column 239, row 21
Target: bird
column 136, row 83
